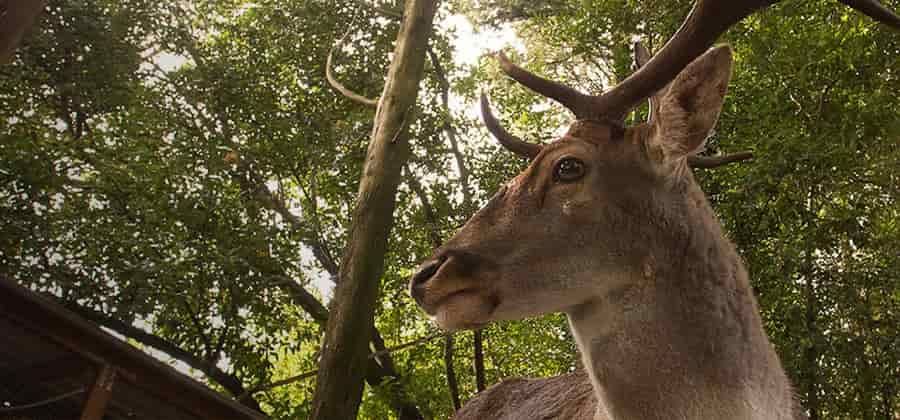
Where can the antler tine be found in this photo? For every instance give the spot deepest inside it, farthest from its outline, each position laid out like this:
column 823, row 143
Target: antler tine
column 509, row 141
column 641, row 57
column 709, row 162
column 706, row 21
column 577, row 102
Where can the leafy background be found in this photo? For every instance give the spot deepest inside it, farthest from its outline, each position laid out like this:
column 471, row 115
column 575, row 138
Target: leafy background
column 205, row 203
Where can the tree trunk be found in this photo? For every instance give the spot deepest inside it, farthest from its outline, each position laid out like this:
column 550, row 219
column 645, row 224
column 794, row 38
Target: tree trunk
column 811, row 353
column 451, row 373
column 479, row 361
column 345, row 347
column 16, row 17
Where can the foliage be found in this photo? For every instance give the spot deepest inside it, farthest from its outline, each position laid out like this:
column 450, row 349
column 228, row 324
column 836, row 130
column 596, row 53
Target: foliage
column 186, row 168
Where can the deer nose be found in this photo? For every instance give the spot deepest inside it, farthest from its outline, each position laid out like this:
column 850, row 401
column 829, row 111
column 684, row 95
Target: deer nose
column 425, row 272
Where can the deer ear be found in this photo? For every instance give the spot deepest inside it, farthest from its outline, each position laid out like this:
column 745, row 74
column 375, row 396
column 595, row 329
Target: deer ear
column 690, row 105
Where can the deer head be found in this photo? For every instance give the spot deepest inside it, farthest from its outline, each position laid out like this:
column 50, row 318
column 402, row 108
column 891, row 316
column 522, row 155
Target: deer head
column 588, row 206
column 596, row 207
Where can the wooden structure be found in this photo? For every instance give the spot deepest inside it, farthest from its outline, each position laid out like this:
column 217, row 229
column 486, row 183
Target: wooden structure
column 55, row 365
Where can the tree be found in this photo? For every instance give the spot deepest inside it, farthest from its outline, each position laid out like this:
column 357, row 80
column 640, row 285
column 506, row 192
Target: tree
column 345, row 347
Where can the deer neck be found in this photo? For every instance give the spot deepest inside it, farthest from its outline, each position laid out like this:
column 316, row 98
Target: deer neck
column 683, row 339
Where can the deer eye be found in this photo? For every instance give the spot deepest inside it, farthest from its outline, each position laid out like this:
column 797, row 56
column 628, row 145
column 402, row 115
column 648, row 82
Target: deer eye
column 568, row 170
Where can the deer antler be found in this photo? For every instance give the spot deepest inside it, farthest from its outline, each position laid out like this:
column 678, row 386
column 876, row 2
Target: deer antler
column 507, row 140
column 709, row 162
column 565, row 95
column 641, row 56
column 706, row 21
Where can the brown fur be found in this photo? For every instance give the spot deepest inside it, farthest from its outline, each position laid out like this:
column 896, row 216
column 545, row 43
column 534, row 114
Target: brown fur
column 568, row 396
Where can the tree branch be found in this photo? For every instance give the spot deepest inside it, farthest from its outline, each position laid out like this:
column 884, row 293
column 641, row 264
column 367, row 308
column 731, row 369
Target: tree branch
column 431, row 219
column 302, row 298
column 451, row 373
column 378, row 369
column 335, row 83
column 450, row 129
column 230, row 382
column 256, row 188
column 309, row 374
column 480, row 381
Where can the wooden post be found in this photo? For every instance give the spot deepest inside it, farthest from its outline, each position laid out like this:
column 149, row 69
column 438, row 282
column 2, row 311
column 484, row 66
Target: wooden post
column 16, row 17
column 101, row 392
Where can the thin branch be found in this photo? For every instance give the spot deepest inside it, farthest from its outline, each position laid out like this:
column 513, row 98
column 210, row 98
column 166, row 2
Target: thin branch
column 431, row 219
column 256, row 188
column 195, row 320
column 335, row 83
column 450, row 129
column 314, row 219
column 382, row 10
column 400, row 401
column 377, row 369
column 302, row 298
column 311, row 373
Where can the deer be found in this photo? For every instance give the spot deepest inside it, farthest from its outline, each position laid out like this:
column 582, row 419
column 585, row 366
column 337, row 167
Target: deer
column 608, row 225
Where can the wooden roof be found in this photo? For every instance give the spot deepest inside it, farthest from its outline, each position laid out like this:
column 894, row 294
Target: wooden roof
column 49, row 353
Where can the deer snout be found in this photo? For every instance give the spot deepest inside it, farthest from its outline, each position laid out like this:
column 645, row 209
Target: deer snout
column 423, row 274
column 449, row 272
column 451, row 288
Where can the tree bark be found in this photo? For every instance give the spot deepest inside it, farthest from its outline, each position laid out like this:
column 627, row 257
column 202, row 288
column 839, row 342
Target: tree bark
column 376, row 372
column 811, row 352
column 348, row 332
column 16, row 17
column 451, row 373
column 378, row 369
column 480, row 382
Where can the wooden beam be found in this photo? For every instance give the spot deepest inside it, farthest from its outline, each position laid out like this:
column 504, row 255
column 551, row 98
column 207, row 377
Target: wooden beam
column 39, row 314
column 70, row 366
column 101, row 392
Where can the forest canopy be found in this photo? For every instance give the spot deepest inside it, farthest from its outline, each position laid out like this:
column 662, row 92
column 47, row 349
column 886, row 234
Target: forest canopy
column 183, row 174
